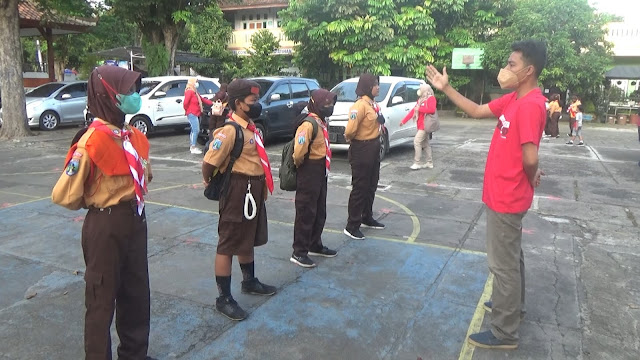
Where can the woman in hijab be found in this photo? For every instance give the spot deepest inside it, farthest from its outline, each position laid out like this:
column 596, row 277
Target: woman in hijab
column 106, row 171
column 312, row 157
column 426, row 105
column 216, row 121
column 363, row 132
column 193, row 109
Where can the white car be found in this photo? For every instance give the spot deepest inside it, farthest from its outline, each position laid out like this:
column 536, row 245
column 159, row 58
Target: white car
column 162, row 99
column 398, row 95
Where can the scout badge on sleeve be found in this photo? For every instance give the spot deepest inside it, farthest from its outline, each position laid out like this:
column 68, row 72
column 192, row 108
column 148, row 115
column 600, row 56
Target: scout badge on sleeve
column 72, row 167
column 353, row 114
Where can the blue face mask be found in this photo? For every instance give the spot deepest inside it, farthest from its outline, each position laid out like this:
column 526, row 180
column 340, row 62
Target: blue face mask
column 129, row 104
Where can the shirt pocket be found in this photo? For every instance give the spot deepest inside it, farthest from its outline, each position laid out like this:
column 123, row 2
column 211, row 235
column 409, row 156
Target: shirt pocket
column 117, row 184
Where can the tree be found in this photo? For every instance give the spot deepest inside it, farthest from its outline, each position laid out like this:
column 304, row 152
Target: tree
column 577, row 53
column 160, row 21
column 262, row 61
column 14, row 112
column 387, row 37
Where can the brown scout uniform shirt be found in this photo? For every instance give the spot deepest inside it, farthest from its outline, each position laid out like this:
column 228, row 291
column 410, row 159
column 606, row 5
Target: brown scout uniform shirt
column 363, row 121
column 77, row 191
column 219, row 153
column 317, row 149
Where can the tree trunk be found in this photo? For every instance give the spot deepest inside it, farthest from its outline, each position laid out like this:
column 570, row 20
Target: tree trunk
column 170, row 33
column 59, row 70
column 14, row 112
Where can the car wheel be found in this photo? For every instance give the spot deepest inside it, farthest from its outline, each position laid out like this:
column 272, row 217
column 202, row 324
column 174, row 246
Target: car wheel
column 384, row 145
column 49, row 120
column 260, row 130
column 143, row 124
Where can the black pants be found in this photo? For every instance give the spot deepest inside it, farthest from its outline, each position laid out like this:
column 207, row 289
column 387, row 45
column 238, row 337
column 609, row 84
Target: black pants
column 114, row 243
column 364, row 157
column 571, row 122
column 311, row 207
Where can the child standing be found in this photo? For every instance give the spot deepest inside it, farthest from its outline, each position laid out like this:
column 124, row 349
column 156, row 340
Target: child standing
column 577, row 128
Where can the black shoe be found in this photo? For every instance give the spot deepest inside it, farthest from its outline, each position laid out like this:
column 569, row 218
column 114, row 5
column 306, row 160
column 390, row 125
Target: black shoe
column 373, row 224
column 255, row 287
column 228, row 307
column 354, row 234
column 325, row 251
column 488, row 307
column 486, row 340
column 303, row 261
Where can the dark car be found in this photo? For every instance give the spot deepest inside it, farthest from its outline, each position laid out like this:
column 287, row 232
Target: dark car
column 282, row 99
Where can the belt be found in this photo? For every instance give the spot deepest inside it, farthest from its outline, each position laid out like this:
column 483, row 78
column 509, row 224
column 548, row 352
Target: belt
column 247, row 177
column 365, row 141
column 124, row 205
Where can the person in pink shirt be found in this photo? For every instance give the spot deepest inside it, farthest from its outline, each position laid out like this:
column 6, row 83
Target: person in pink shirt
column 425, row 105
column 193, row 109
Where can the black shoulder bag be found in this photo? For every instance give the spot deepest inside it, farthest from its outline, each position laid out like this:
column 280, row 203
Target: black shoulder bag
column 220, row 181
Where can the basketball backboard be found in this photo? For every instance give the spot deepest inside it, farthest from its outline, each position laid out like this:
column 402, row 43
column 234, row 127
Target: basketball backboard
column 467, row 58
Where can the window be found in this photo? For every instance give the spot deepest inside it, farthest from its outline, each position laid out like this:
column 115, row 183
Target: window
column 412, row 92
column 207, row 87
column 250, row 17
column 147, row 86
column 283, row 91
column 279, row 23
column 75, row 90
column 45, row 90
column 265, row 17
column 258, row 25
column 244, row 26
column 258, row 17
column 299, row 90
column 312, row 86
column 244, row 17
column 264, row 24
column 400, row 90
column 252, row 26
column 174, row 89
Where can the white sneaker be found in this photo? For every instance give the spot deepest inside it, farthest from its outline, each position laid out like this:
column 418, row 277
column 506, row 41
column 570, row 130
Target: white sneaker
column 195, row 150
column 427, row 166
column 415, row 167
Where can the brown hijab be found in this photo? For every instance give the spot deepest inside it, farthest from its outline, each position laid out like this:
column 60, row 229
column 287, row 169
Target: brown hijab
column 102, row 102
column 365, row 85
column 319, row 99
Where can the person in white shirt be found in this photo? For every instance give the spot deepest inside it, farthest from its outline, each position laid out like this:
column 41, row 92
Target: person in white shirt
column 577, row 128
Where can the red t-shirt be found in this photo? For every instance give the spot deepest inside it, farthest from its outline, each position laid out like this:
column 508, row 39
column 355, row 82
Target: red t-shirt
column 520, row 121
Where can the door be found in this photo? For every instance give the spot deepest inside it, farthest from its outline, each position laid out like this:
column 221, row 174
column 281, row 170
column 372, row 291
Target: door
column 169, row 98
column 412, row 99
column 397, row 109
column 207, row 89
column 72, row 101
column 279, row 108
column 300, row 96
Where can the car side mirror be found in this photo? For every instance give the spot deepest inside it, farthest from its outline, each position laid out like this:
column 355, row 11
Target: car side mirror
column 275, row 97
column 397, row 100
column 65, row 96
column 160, row 94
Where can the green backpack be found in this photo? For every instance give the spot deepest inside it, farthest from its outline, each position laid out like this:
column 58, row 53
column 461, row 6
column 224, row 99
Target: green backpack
column 288, row 173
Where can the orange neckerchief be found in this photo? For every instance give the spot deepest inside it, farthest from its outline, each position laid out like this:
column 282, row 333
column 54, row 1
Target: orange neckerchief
column 107, row 154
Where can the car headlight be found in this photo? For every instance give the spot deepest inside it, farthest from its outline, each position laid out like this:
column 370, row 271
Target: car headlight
column 31, row 107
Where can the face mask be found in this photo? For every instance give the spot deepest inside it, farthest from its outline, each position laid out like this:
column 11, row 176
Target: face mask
column 508, row 79
column 197, row 85
column 129, row 104
column 327, row 111
column 254, row 110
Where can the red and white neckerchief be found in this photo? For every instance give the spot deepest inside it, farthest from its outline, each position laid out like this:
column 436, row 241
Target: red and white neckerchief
column 264, row 159
column 134, row 161
column 325, row 132
column 378, row 111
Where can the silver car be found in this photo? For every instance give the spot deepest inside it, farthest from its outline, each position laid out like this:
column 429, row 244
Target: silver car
column 57, row 103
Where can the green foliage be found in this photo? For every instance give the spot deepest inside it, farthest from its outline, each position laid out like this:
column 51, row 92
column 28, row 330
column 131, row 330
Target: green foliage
column 207, row 34
column 577, row 53
column 387, row 37
column 589, row 107
column 157, row 58
column 261, row 62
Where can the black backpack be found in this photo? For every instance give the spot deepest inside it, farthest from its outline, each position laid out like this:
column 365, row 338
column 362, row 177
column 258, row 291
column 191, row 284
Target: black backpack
column 288, row 173
column 220, row 181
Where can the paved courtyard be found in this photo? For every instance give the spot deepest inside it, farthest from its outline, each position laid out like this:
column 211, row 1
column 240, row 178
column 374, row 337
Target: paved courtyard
column 411, row 291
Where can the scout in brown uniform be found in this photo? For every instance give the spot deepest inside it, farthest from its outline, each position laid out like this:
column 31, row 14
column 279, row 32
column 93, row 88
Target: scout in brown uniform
column 106, row 172
column 312, row 157
column 363, row 131
column 242, row 225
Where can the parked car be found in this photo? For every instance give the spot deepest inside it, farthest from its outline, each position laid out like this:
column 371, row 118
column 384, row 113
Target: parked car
column 398, row 95
column 56, row 103
column 282, row 100
column 162, row 98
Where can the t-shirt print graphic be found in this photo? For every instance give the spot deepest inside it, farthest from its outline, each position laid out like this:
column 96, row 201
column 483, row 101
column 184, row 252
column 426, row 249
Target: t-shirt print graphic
column 503, row 125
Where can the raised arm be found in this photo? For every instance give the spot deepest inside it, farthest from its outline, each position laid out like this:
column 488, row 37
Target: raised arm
column 441, row 82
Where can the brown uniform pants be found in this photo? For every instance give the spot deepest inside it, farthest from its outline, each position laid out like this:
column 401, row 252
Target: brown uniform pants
column 114, row 243
column 364, row 157
column 571, row 122
column 554, row 130
column 506, row 262
column 311, row 207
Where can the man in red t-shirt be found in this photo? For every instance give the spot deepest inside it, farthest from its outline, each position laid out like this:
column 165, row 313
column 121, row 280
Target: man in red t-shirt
column 511, row 174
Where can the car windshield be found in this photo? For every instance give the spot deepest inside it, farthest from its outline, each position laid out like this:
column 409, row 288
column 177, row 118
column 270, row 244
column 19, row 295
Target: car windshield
column 147, row 86
column 44, row 91
column 346, row 91
column 264, row 86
